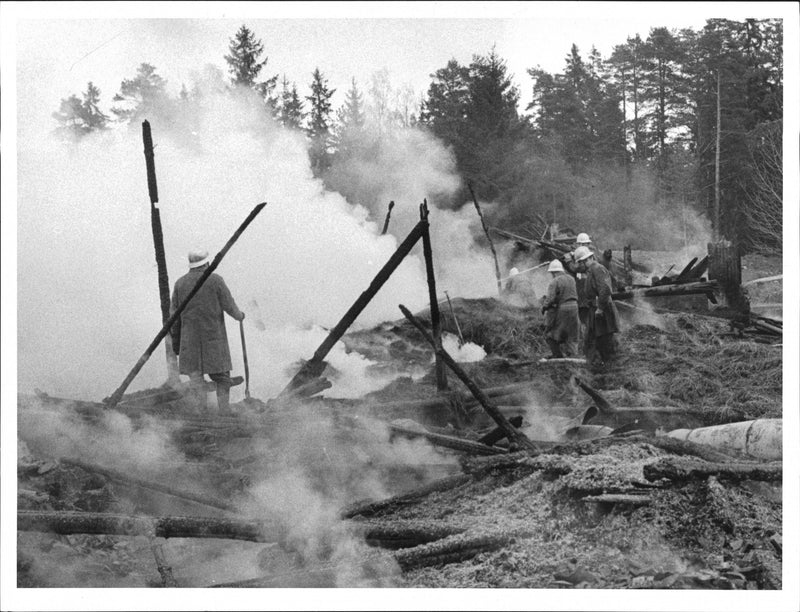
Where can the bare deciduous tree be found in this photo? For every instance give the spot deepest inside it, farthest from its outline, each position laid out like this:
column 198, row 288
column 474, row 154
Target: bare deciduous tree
column 765, row 187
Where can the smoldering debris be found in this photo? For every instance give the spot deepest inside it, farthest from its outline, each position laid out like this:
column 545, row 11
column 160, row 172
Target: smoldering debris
column 300, row 465
column 404, row 445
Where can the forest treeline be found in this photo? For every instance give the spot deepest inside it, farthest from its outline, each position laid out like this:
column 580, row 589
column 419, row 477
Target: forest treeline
column 635, row 146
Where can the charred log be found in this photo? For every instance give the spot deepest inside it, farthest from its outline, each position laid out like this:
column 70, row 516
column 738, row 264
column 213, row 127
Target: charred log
column 682, row 470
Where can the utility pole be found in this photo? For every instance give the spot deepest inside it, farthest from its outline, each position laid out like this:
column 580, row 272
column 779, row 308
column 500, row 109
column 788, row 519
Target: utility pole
column 717, row 232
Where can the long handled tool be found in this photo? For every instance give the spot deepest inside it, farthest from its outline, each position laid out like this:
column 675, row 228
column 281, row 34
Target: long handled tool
column 458, row 327
column 115, row 397
column 246, row 366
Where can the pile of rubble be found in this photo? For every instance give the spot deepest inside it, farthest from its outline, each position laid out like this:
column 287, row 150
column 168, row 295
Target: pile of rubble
column 598, row 498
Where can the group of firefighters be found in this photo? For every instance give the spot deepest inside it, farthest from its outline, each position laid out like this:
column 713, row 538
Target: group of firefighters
column 578, row 304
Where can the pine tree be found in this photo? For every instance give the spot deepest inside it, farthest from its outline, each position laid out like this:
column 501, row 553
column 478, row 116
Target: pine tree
column 664, row 91
column 444, row 108
column 244, row 65
column 80, row 117
column 319, row 122
column 745, row 58
column 351, row 114
column 290, row 112
column 492, row 124
column 94, row 117
column 349, row 134
column 144, row 96
column 70, row 117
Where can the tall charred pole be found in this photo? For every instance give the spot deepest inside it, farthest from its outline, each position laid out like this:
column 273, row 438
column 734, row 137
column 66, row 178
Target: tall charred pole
column 436, row 322
column 717, row 229
column 489, row 238
column 158, row 243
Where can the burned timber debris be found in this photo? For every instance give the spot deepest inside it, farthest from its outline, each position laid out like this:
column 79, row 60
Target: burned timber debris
column 515, row 471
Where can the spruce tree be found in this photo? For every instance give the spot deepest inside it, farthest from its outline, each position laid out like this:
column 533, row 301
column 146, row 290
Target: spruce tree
column 350, row 134
column 290, row 112
column 80, row 117
column 245, row 64
column 319, row 122
column 143, row 97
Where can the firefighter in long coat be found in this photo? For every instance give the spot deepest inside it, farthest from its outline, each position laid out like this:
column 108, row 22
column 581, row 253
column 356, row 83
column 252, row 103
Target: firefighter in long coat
column 603, row 320
column 560, row 306
column 571, row 267
column 199, row 337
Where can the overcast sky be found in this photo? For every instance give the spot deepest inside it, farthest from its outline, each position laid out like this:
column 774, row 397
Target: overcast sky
column 62, row 48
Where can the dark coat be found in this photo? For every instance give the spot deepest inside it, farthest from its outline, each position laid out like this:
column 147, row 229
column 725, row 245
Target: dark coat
column 571, row 267
column 203, row 339
column 561, row 307
column 598, row 292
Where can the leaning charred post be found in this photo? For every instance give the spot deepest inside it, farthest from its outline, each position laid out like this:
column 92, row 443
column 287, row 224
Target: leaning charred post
column 514, row 435
column 315, row 366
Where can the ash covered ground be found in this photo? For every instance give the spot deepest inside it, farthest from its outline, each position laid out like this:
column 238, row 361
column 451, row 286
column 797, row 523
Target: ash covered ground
column 337, row 495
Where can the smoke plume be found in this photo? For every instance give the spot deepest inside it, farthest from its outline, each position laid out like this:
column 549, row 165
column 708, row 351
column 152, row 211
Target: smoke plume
column 87, row 282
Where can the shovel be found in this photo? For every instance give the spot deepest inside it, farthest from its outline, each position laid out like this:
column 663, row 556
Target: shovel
column 246, row 365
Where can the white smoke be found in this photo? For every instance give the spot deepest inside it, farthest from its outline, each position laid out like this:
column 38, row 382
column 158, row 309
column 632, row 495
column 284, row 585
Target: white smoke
column 468, row 352
column 88, row 301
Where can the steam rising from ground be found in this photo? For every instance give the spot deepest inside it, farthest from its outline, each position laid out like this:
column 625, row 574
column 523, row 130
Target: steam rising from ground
column 113, row 442
column 312, row 468
column 87, row 281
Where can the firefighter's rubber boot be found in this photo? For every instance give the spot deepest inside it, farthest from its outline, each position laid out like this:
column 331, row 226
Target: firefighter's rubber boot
column 555, row 349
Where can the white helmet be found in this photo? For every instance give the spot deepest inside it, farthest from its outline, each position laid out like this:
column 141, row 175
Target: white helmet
column 555, row 266
column 513, row 272
column 582, row 253
column 197, row 258
column 583, row 238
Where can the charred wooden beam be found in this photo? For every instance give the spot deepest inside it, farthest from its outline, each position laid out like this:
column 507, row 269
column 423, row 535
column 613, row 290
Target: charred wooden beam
column 397, row 534
column 312, row 387
column 599, row 400
column 388, row 215
column 164, row 569
column 158, row 243
column 488, row 237
column 514, row 436
column 453, row 442
column 763, row 325
column 66, row 523
column 683, row 469
column 725, row 267
column 436, row 322
column 684, row 273
column 707, row 288
column 627, row 265
column 497, row 434
column 153, row 486
column 371, row 508
column 453, row 549
column 314, row 366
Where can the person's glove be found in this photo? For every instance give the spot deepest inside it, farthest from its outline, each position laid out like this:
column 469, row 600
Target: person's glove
column 242, row 317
